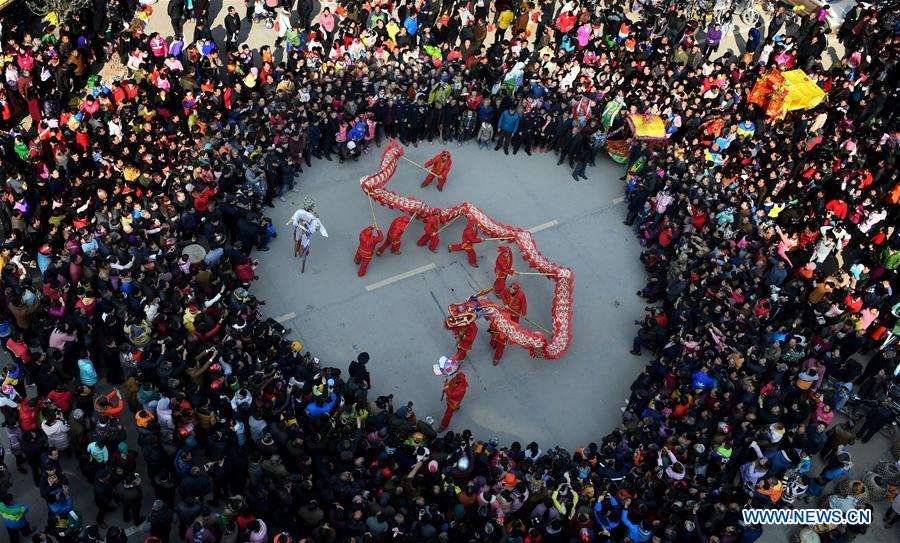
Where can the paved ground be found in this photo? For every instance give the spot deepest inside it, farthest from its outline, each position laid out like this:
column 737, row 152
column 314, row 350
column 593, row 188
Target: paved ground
column 566, row 402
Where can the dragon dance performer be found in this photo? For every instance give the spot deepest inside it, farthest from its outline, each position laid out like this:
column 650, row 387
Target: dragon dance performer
column 394, row 233
column 502, row 269
column 461, row 321
column 499, row 340
column 465, row 338
column 432, row 227
column 440, row 167
column 369, row 238
column 467, row 243
column 454, row 392
column 514, row 300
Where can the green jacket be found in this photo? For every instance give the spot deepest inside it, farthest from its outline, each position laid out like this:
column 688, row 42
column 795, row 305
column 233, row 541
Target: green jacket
column 891, row 258
column 13, row 515
column 292, row 37
column 439, row 94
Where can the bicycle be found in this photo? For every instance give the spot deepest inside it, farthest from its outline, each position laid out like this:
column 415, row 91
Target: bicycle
column 751, row 11
column 698, row 9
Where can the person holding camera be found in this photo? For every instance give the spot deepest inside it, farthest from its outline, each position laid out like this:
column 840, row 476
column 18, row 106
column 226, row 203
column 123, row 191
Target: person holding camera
column 652, row 334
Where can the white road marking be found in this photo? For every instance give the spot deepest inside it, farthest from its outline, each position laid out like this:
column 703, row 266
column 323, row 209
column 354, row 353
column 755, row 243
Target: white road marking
column 619, row 200
column 546, row 225
column 400, row 277
column 286, row 317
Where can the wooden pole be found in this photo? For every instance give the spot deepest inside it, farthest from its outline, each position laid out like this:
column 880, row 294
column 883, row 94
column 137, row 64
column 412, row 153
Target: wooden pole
column 529, row 320
column 372, row 207
column 496, row 239
column 419, row 165
column 449, row 223
column 536, row 273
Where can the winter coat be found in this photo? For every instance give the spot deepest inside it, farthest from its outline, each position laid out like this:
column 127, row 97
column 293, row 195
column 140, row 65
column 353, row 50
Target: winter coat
column 130, row 493
column 13, row 516
column 509, row 121
column 57, row 434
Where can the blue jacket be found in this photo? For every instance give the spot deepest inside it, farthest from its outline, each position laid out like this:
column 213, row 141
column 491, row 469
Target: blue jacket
column 753, row 39
column 13, row 516
column 485, row 112
column 635, row 532
column 314, row 411
column 607, row 519
column 509, row 121
column 411, row 25
column 702, row 381
column 61, row 508
column 86, row 372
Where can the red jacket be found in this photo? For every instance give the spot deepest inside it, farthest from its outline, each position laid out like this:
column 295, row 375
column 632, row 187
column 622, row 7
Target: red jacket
column 854, row 304
column 838, row 207
column 440, row 164
column 368, row 239
column 398, row 226
column 432, row 224
column 455, row 390
column 516, row 302
column 503, row 266
column 245, row 273
column 28, row 416
column 20, row 349
column 497, row 335
column 62, row 399
column 465, row 338
column 470, row 236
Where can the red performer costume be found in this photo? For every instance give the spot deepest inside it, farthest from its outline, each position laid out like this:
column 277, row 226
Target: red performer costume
column 368, row 239
column 465, row 337
column 440, row 167
column 394, row 233
column 498, row 342
column 454, row 391
column 514, row 300
column 502, row 269
column 432, row 225
column 467, row 244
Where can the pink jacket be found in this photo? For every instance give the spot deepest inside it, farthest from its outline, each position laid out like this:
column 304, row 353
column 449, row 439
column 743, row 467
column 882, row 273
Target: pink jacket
column 584, row 35
column 326, row 21
column 159, row 47
column 821, row 416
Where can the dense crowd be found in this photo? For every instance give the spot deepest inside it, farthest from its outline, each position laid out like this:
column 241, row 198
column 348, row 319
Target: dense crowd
column 770, row 245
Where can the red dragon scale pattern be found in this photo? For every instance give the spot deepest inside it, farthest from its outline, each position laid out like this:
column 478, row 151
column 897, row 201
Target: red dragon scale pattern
column 564, row 278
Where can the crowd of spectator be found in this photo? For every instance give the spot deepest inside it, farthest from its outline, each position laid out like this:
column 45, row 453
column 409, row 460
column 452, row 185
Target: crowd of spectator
column 770, row 245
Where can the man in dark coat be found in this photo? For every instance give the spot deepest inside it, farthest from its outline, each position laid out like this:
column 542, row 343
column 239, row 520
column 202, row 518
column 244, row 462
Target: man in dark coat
column 876, row 418
column 232, row 29
column 304, row 13
column 201, row 11
column 175, row 10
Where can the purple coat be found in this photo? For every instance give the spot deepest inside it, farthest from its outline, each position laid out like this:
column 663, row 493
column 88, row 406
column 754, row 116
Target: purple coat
column 713, row 36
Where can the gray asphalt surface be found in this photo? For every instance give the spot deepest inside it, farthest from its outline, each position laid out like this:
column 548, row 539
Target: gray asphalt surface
column 568, row 402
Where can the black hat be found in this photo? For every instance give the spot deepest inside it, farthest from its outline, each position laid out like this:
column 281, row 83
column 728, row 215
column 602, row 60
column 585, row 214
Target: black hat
column 362, row 357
